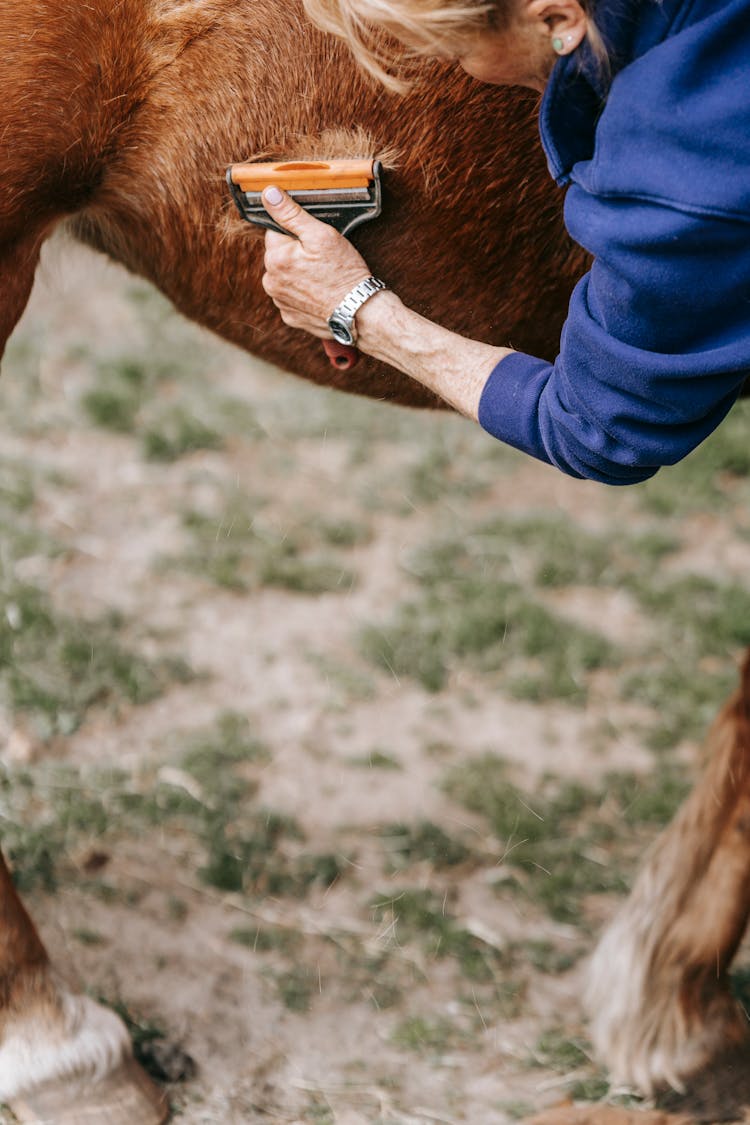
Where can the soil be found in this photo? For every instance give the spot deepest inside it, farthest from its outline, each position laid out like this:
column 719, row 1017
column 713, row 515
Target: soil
column 406, row 1038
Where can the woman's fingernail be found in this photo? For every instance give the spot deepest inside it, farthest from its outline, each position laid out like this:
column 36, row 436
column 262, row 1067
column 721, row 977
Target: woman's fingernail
column 273, row 196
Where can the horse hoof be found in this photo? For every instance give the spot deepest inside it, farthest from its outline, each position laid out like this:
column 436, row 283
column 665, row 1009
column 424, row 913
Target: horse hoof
column 605, row 1115
column 125, row 1096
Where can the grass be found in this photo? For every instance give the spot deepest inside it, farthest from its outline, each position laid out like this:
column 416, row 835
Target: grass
column 468, row 616
column 556, row 1050
column 478, row 603
column 164, row 1061
column 47, row 814
column 55, row 667
column 546, row 957
column 158, row 393
column 376, row 759
column 704, row 617
column 87, row 936
column 566, row 842
column 236, row 550
column 176, row 432
column 414, row 914
column 18, row 491
column 213, row 753
column 424, row 842
column 487, row 601
column 266, row 939
column 684, row 696
column 435, row 1036
column 296, row 987
column 251, row 857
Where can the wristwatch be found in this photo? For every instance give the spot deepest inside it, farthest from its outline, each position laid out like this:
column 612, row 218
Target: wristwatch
column 341, row 320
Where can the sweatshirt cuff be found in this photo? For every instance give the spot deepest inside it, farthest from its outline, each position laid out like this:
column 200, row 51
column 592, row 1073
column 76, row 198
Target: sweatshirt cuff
column 509, row 404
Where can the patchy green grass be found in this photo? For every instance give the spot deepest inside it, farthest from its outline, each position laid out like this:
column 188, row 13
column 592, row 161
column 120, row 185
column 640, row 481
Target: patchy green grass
column 213, row 753
column 516, row 1108
column 492, row 599
column 547, row 957
column 55, row 667
column 161, row 396
column 556, row 1049
column 558, row 844
column 468, row 611
column 18, row 491
column 348, row 685
column 266, row 939
column 296, row 987
column 344, row 532
column 687, row 671
column 87, row 936
column 413, row 914
column 433, row 1036
column 376, row 759
column 163, row 1060
column 424, row 842
column 651, row 800
column 48, row 814
column 176, row 432
column 704, row 617
column 235, row 549
column 479, row 602
column 684, row 695
column 565, row 841
column 253, row 856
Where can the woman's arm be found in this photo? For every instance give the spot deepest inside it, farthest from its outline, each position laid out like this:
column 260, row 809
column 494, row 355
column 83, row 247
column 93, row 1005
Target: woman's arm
column 452, row 366
column 652, row 356
column 308, row 275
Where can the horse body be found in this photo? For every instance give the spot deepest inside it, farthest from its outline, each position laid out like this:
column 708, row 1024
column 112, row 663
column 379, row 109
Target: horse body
column 131, row 138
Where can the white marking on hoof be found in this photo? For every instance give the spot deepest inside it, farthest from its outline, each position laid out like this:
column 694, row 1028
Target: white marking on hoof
column 78, row 1039
column 641, row 1024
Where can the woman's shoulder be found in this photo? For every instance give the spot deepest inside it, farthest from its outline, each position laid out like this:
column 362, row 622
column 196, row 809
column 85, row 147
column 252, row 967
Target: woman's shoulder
column 676, row 125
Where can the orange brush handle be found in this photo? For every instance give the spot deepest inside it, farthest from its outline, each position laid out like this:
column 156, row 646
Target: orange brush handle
column 303, row 174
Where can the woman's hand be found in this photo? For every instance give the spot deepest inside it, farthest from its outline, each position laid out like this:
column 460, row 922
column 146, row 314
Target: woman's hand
column 309, row 275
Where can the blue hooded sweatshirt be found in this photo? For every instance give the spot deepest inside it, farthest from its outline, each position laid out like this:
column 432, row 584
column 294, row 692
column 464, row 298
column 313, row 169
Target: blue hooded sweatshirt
column 657, row 168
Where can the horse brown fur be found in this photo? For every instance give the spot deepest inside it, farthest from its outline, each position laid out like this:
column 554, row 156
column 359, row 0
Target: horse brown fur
column 159, row 97
column 658, row 995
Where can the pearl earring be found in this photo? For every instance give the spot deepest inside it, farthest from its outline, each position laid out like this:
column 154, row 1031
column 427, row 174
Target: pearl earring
column 562, row 46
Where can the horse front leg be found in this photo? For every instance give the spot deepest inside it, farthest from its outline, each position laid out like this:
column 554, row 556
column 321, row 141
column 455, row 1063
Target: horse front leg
column 63, row 1058
column 658, row 997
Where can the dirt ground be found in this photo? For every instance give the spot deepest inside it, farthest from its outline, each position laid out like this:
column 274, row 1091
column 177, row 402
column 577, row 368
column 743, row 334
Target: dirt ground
column 332, row 732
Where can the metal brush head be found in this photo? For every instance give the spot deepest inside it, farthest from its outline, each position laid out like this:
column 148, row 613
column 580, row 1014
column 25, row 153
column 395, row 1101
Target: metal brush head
column 342, row 207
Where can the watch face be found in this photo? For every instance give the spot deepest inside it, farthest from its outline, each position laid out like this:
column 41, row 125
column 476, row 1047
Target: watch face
column 340, row 330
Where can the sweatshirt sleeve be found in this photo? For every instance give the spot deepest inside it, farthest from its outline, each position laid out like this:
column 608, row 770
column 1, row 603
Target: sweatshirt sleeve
column 654, row 350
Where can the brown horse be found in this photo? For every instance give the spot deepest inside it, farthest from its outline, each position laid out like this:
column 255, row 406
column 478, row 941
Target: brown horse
column 118, row 118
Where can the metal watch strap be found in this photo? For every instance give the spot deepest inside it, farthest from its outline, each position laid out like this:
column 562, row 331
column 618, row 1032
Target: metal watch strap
column 355, row 299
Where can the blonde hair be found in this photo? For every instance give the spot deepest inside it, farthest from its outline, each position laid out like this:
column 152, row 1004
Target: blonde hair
column 385, row 35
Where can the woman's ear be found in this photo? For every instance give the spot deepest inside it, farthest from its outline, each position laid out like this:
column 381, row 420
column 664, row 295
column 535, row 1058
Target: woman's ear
column 564, row 22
